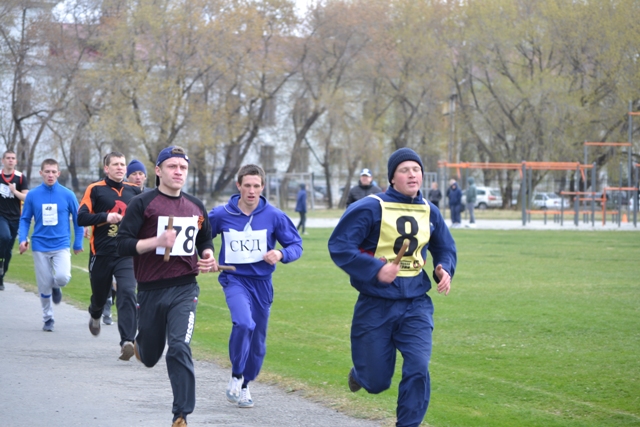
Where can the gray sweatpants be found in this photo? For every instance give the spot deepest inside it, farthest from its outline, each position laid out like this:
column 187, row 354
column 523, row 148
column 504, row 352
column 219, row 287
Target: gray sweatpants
column 53, row 270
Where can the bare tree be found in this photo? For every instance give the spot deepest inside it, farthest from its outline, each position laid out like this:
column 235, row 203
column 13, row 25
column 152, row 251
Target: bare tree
column 44, row 58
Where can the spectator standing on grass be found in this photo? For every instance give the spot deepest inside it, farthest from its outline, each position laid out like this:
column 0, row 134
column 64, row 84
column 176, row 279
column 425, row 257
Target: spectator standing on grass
column 50, row 205
column 13, row 190
column 301, row 208
column 250, row 228
column 471, row 196
column 364, row 188
column 393, row 311
column 168, row 291
column 454, row 194
column 435, row 195
column 102, row 207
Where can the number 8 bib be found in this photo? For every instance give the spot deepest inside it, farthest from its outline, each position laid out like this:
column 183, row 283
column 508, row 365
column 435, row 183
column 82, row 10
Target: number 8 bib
column 400, row 222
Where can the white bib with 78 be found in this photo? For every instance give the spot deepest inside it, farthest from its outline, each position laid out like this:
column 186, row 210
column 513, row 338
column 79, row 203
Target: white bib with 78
column 186, row 232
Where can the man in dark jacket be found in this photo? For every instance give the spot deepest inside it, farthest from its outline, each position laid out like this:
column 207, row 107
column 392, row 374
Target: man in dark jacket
column 454, row 194
column 435, row 195
column 364, row 188
column 471, row 196
column 301, row 208
column 102, row 207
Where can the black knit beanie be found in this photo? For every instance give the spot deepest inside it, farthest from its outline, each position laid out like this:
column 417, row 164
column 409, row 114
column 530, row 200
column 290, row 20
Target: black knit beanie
column 402, row 155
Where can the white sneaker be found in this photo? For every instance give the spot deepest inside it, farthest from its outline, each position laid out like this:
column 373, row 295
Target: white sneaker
column 233, row 389
column 245, row 399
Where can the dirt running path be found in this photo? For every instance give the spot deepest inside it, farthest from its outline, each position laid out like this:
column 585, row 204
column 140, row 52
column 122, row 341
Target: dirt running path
column 69, row 378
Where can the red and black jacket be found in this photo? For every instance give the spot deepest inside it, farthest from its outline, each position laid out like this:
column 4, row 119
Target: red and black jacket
column 100, row 199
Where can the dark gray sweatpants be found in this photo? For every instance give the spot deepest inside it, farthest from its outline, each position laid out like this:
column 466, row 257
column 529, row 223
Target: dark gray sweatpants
column 168, row 316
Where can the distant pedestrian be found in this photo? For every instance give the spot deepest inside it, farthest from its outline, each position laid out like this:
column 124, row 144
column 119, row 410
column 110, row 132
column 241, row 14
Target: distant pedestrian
column 471, row 196
column 50, row 205
column 168, row 291
column 250, row 228
column 454, row 194
column 364, row 188
column 301, row 208
column 435, row 195
column 13, row 191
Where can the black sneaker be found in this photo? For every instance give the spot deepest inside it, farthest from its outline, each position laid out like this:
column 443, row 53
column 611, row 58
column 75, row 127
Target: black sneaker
column 56, row 295
column 353, row 384
column 94, row 326
column 48, row 325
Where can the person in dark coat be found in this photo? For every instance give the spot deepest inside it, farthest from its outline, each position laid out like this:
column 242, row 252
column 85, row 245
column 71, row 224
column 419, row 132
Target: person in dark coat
column 301, row 208
column 435, row 195
column 471, row 196
column 364, row 188
column 454, row 194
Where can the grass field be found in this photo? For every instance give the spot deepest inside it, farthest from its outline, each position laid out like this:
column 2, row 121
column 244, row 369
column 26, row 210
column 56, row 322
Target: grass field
column 514, row 214
column 540, row 329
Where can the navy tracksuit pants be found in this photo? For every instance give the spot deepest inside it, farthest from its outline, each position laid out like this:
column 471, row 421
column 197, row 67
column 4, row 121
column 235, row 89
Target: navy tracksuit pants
column 168, row 315
column 379, row 328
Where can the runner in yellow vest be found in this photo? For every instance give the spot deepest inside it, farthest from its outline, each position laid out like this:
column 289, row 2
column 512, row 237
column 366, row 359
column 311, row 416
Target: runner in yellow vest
column 393, row 311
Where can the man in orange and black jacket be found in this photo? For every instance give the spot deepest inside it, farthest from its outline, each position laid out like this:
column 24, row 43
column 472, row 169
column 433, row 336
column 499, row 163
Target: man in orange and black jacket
column 102, row 207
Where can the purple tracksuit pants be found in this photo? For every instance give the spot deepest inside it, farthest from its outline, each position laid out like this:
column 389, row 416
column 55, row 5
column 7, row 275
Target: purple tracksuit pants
column 249, row 301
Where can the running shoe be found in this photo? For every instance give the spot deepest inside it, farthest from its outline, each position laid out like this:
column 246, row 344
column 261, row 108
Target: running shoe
column 56, row 295
column 94, row 326
column 233, row 389
column 245, row 399
column 48, row 325
column 353, row 384
column 127, row 351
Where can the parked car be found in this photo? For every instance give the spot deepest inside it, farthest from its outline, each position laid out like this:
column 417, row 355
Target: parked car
column 549, row 201
column 486, row 197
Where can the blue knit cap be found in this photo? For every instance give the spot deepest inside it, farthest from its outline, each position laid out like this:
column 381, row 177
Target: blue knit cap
column 402, row 155
column 135, row 166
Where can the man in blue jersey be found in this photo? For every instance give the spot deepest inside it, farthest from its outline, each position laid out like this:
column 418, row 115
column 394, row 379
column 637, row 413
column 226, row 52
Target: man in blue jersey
column 51, row 205
column 250, row 228
column 393, row 311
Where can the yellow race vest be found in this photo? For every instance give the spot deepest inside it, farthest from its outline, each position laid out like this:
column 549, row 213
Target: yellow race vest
column 402, row 221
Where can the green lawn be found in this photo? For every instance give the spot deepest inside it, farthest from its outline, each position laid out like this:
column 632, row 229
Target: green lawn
column 514, row 214
column 540, row 329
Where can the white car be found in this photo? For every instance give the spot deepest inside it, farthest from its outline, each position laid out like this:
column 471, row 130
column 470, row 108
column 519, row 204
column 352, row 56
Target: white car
column 548, row 201
column 486, row 197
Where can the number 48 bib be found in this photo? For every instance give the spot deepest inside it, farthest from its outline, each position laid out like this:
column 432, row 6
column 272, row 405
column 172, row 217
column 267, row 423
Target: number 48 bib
column 186, row 231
